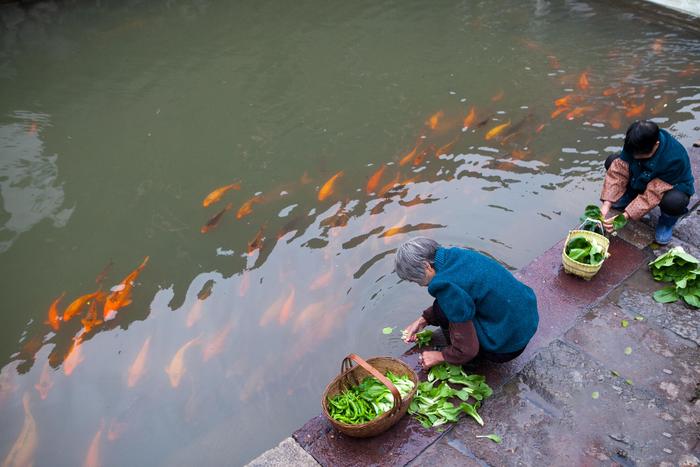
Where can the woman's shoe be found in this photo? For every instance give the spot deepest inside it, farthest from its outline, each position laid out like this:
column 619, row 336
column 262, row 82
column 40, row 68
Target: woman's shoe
column 664, row 228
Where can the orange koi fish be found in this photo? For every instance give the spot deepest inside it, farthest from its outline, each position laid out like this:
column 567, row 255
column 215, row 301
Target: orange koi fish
column 323, row 280
column 73, row 358
column 635, row 110
column 385, row 189
column 257, row 242
column 122, row 296
column 470, row 119
column 558, row 112
column 519, row 154
column 247, row 207
column 216, row 345
column 270, row 313
column 286, row 310
column 578, row 112
column 446, row 148
column 610, row 91
column 91, row 320
column 374, row 179
column 115, row 430
column 409, row 157
column 53, row 319
column 195, row 313
column 214, row 221
column 420, row 157
column 615, row 120
column 216, row 195
column 327, row 188
column 498, row 96
column 45, row 383
column 565, row 101
column 495, row 131
column 540, row 128
column 176, row 368
column 138, row 366
column 583, row 81
column 434, row 119
column 22, row 452
column 77, row 305
column 92, row 458
column 658, row 45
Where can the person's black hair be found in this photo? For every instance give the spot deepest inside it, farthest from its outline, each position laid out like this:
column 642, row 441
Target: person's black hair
column 641, row 137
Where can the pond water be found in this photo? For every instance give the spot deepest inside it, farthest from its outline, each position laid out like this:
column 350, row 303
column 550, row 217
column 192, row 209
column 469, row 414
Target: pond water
column 339, row 129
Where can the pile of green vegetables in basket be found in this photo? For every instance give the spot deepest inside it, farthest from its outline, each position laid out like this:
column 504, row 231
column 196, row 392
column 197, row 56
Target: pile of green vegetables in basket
column 360, row 404
column 432, row 405
column 584, row 250
column 683, row 270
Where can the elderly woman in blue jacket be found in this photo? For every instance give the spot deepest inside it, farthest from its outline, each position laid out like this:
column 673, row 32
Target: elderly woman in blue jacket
column 483, row 310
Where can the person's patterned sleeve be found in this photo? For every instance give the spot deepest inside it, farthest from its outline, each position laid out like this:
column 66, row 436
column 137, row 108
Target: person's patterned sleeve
column 616, row 179
column 648, row 200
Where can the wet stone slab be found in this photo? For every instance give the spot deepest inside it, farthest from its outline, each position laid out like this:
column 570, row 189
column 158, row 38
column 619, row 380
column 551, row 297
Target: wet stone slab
column 636, row 299
column 652, row 359
column 287, row 454
column 688, row 229
column 547, row 415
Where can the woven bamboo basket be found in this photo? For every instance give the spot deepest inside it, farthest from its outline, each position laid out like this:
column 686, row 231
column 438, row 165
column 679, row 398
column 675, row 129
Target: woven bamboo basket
column 352, row 376
column 583, row 270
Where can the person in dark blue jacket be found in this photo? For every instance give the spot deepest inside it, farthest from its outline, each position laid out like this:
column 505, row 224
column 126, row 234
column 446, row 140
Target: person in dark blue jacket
column 483, row 310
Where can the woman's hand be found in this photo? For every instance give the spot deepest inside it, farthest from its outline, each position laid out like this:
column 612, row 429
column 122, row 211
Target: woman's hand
column 608, row 223
column 430, row 358
column 409, row 334
column 605, row 208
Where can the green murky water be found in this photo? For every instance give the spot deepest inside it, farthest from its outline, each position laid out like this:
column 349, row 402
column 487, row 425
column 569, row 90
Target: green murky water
column 117, row 120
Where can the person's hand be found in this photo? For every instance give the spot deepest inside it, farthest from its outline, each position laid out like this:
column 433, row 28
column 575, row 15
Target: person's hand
column 430, row 358
column 608, row 225
column 409, row 334
column 605, row 208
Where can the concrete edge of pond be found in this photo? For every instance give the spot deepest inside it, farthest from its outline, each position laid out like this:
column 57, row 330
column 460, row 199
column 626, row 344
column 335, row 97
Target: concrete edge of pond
column 640, row 237
column 689, row 7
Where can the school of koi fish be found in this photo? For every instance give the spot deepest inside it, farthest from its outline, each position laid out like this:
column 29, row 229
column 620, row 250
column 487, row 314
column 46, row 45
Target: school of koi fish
column 584, row 100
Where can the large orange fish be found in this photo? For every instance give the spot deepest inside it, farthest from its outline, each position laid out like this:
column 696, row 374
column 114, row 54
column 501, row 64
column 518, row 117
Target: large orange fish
column 176, row 368
column 92, row 458
column 495, row 131
column 286, row 310
column 446, row 148
column 409, row 156
column 327, row 188
column 53, row 320
column 323, row 280
column 470, row 119
column 434, row 119
column 121, row 297
column 385, row 189
column 214, row 221
column 635, row 110
column 45, row 383
column 22, row 452
column 257, row 242
column 583, row 83
column 374, row 179
column 578, row 112
column 559, row 111
column 138, row 366
column 216, row 195
column 73, row 358
column 610, row 91
column 247, row 207
column 420, row 157
column 216, row 345
column 77, row 305
column 91, row 320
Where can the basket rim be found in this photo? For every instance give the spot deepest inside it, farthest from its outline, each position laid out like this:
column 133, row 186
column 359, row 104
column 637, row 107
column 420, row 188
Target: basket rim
column 404, row 400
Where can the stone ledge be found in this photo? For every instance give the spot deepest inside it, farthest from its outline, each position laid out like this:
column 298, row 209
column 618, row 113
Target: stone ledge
column 287, row 454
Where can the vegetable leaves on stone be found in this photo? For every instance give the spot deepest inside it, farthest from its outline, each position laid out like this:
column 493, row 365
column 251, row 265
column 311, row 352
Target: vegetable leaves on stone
column 683, row 270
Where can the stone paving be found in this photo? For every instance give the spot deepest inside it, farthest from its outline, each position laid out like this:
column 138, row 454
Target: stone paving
column 611, row 378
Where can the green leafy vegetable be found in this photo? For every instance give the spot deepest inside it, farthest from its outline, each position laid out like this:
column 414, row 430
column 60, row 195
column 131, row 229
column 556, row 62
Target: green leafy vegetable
column 628, row 350
column 424, row 337
column 368, row 400
column 614, row 373
column 624, row 323
column 494, row 437
column 595, row 394
column 387, row 330
column 683, row 270
column 584, row 250
column 433, row 403
column 629, row 381
column 592, row 212
column 619, row 221
column 639, row 318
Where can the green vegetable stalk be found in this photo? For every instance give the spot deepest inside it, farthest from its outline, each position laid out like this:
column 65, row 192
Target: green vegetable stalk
column 368, row 400
column 424, row 337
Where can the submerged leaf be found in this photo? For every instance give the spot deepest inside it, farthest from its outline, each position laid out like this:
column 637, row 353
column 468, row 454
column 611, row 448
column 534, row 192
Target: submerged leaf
column 639, row 318
column 628, row 350
column 595, row 394
column 624, row 323
column 387, row 330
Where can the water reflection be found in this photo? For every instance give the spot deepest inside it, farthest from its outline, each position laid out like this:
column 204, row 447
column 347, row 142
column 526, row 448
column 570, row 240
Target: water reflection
column 29, row 186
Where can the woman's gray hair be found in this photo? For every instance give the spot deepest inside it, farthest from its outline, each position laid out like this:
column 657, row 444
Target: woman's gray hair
column 411, row 257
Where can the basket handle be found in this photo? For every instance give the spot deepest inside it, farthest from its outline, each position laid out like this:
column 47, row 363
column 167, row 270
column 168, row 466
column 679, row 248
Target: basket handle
column 594, row 221
column 347, row 365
